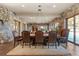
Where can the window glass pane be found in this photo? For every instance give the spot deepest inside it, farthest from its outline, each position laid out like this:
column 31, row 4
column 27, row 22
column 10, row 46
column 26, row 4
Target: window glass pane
column 77, row 29
column 71, row 28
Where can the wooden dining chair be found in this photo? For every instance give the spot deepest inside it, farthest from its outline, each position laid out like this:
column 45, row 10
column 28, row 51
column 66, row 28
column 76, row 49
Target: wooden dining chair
column 17, row 39
column 52, row 38
column 26, row 38
column 64, row 36
column 39, row 39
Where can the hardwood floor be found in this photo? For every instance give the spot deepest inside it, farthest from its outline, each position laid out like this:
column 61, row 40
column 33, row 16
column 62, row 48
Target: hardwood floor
column 6, row 47
column 73, row 49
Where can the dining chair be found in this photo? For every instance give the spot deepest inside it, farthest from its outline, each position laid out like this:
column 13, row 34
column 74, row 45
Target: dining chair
column 64, row 36
column 39, row 39
column 52, row 38
column 26, row 38
column 17, row 38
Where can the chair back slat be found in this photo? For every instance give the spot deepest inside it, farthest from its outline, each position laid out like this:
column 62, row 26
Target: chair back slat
column 65, row 32
column 38, row 36
column 52, row 36
column 26, row 36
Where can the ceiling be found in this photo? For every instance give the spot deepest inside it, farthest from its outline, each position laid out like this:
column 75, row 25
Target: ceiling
column 30, row 10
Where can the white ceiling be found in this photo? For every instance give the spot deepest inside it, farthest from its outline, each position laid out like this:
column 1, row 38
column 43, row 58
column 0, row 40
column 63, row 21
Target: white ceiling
column 38, row 19
column 31, row 10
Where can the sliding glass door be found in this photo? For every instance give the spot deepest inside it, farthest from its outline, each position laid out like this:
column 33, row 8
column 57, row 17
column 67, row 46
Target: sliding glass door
column 77, row 29
column 73, row 25
column 71, row 28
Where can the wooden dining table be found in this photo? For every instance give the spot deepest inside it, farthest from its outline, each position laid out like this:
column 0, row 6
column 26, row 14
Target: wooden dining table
column 45, row 35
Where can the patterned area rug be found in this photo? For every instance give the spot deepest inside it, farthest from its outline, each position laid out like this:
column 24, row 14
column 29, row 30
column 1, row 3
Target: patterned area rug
column 38, row 51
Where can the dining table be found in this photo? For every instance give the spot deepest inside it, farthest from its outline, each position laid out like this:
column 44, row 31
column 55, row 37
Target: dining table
column 45, row 35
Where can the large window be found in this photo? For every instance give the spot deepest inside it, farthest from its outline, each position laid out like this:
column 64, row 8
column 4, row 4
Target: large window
column 24, row 26
column 77, row 29
column 73, row 25
column 71, row 28
column 41, row 26
column 17, row 27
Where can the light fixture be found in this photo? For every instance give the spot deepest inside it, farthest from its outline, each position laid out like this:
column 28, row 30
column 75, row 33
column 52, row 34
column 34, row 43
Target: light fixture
column 39, row 10
column 39, row 5
column 54, row 6
column 22, row 5
column 41, row 27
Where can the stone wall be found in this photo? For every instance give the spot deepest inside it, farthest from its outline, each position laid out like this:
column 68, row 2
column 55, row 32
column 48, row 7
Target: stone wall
column 8, row 17
column 56, row 23
column 74, row 10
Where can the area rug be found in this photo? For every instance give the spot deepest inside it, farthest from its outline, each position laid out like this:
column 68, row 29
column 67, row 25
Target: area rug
column 38, row 51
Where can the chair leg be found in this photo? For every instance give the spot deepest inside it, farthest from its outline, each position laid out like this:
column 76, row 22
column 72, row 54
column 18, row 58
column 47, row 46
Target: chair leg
column 58, row 42
column 42, row 45
column 29, row 45
column 23, row 45
column 18, row 42
column 14, row 43
column 48, row 45
column 35, row 45
column 66, row 44
column 55, row 45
